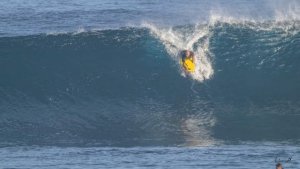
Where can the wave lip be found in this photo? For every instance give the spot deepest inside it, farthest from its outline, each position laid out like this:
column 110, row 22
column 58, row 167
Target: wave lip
column 22, row 18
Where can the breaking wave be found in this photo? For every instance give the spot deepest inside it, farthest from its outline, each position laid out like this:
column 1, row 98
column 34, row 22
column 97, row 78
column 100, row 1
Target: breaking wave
column 125, row 86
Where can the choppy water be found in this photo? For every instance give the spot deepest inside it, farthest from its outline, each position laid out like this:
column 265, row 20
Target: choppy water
column 106, row 74
column 230, row 156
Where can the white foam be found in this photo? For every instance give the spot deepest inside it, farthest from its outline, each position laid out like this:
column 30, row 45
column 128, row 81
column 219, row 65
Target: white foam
column 195, row 39
column 80, row 30
column 197, row 130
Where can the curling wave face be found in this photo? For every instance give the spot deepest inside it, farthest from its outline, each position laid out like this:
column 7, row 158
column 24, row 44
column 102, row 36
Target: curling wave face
column 124, row 86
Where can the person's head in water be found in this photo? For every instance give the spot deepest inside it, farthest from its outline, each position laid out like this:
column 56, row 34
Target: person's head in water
column 187, row 53
column 279, row 166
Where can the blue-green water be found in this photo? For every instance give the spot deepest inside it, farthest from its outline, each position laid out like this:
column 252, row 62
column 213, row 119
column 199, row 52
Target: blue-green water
column 98, row 84
column 226, row 156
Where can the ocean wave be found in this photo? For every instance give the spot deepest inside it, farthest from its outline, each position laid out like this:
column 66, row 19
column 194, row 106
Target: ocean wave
column 125, row 86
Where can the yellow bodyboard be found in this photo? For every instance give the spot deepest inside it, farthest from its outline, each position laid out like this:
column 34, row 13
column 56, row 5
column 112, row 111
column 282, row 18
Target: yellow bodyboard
column 188, row 65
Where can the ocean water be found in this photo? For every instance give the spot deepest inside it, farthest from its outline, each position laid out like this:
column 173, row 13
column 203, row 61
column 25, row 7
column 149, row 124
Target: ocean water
column 228, row 156
column 98, row 84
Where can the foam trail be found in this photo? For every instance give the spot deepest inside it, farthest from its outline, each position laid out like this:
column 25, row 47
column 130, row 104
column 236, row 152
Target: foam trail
column 196, row 130
column 195, row 39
